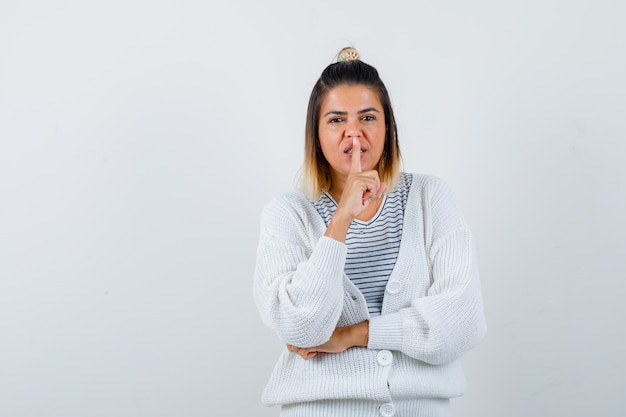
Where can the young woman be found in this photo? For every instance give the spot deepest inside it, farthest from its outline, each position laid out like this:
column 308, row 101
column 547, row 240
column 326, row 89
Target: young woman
column 368, row 274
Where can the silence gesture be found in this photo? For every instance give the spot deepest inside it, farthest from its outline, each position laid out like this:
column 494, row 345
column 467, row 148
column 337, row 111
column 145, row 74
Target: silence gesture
column 361, row 186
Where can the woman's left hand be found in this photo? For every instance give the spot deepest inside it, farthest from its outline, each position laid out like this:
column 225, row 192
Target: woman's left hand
column 342, row 339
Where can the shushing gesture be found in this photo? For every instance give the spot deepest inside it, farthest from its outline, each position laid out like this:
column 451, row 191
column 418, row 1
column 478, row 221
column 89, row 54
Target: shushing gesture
column 361, row 187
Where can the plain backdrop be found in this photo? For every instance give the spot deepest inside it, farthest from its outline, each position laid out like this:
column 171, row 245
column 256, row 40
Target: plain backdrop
column 140, row 140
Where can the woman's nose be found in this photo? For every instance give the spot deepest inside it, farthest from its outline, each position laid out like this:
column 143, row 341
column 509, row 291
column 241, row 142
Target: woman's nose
column 353, row 129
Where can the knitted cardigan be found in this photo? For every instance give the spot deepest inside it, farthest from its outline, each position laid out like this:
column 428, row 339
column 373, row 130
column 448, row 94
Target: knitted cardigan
column 432, row 309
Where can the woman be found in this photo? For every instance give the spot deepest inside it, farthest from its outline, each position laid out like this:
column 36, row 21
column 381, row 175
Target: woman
column 369, row 275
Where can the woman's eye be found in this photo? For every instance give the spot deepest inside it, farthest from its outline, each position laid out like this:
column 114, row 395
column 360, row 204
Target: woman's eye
column 335, row 120
column 368, row 118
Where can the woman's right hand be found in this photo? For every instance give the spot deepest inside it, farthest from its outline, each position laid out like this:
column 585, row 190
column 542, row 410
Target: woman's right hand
column 360, row 189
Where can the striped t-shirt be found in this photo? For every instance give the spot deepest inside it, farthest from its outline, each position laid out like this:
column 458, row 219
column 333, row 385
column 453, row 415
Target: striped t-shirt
column 373, row 245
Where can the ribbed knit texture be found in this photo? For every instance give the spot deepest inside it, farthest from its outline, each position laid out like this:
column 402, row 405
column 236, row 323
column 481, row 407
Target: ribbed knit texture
column 439, row 407
column 432, row 310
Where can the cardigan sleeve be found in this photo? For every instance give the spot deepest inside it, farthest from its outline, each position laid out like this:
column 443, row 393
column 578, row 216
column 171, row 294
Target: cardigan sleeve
column 298, row 286
column 449, row 320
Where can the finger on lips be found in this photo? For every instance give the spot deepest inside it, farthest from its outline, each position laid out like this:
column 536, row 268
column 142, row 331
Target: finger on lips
column 356, row 155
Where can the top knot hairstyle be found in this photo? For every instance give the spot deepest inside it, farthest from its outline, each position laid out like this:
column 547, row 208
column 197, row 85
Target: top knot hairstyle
column 348, row 54
column 348, row 69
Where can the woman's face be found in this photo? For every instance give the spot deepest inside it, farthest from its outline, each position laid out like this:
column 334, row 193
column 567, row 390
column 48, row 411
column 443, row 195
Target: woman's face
column 347, row 112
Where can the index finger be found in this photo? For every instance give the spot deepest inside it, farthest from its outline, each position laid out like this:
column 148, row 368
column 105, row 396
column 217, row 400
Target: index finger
column 355, row 166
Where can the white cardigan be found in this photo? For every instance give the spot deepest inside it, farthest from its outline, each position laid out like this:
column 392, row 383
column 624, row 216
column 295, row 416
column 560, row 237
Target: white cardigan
column 432, row 310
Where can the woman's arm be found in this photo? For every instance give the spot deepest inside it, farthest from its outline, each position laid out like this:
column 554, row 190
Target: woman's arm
column 343, row 338
column 298, row 285
column 449, row 320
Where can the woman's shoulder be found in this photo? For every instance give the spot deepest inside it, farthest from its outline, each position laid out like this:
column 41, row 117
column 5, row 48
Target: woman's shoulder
column 293, row 199
column 433, row 190
column 424, row 182
column 289, row 203
column 436, row 197
column 290, row 216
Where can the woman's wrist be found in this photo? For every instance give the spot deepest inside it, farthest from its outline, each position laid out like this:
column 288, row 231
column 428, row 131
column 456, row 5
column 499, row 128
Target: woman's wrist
column 366, row 338
column 338, row 227
column 360, row 334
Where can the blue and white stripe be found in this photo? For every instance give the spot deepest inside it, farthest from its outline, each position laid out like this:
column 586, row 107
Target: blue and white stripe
column 373, row 245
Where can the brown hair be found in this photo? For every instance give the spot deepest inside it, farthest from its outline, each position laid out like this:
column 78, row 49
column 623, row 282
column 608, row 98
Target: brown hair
column 348, row 70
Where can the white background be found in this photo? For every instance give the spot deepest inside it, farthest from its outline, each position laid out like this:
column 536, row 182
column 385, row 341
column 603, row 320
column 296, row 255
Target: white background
column 139, row 141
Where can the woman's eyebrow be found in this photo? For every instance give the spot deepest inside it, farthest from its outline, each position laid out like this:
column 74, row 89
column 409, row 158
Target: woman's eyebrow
column 369, row 109
column 337, row 112
column 344, row 113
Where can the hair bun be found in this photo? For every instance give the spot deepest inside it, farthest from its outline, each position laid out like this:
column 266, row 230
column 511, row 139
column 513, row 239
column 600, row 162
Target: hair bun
column 348, row 54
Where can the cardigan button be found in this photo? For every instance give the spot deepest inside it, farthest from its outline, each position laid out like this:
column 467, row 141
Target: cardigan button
column 393, row 287
column 387, row 410
column 384, row 358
